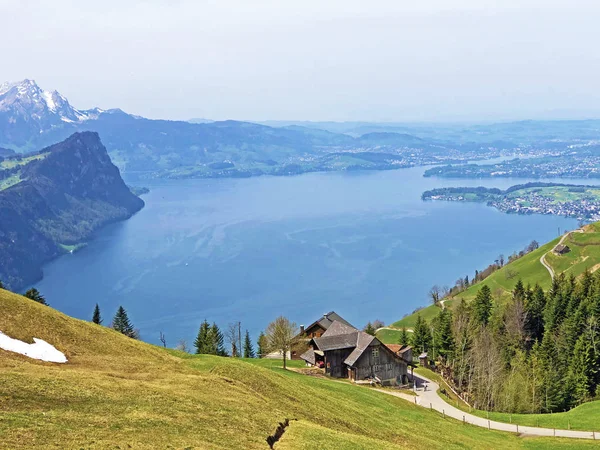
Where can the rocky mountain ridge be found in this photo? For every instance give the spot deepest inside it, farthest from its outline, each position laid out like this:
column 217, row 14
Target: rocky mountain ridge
column 61, row 199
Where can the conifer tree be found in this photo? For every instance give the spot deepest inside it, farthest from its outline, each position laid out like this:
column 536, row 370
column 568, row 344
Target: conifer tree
column 534, row 309
column 96, row 318
column 421, row 338
column 444, row 340
column 202, row 344
column 248, row 348
column 35, row 295
column 370, row 329
column 404, row 339
column 1, row 285
column 122, row 324
column 482, row 305
column 217, row 341
column 262, row 345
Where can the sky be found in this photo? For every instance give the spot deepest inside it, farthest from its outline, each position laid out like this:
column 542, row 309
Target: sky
column 339, row 60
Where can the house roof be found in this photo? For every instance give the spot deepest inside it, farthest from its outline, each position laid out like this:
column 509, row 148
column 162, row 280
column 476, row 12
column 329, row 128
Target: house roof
column 337, row 342
column 327, row 320
column 363, row 342
column 398, row 349
column 309, row 356
column 337, row 328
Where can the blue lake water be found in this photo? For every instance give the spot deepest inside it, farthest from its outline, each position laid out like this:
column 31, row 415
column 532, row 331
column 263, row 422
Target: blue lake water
column 362, row 244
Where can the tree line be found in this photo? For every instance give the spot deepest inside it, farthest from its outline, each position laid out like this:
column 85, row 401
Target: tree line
column 537, row 352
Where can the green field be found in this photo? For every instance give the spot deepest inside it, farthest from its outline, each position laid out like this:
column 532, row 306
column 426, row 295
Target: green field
column 14, row 162
column 10, row 181
column 116, row 392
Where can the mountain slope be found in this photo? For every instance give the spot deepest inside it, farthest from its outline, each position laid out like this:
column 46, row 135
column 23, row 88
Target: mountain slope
column 60, row 196
column 115, row 391
column 584, row 255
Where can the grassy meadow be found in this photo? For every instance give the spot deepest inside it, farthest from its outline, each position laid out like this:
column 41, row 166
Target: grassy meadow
column 116, row 392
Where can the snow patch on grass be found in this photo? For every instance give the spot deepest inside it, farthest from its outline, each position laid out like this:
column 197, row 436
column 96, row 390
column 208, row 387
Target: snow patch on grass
column 38, row 350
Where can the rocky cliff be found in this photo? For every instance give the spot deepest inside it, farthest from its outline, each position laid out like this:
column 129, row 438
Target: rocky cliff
column 62, row 198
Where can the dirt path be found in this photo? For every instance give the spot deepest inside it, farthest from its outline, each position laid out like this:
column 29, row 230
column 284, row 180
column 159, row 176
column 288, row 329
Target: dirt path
column 430, row 399
column 543, row 257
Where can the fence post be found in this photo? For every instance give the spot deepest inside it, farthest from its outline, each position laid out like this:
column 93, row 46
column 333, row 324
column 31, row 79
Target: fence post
column 554, row 432
column 430, row 407
column 517, row 428
column 489, row 426
column 463, row 419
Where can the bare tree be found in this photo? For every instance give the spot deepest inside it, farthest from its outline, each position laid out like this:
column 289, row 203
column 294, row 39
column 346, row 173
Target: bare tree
column 182, row 346
column 377, row 324
column 434, row 293
column 281, row 335
column 232, row 336
column 501, row 259
column 163, row 339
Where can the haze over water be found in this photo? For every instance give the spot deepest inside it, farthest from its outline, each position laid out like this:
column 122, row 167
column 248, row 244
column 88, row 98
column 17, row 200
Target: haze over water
column 362, row 244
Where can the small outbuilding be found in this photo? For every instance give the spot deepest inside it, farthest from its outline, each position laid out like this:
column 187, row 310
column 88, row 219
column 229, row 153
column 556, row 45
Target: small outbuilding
column 423, row 360
column 561, row 249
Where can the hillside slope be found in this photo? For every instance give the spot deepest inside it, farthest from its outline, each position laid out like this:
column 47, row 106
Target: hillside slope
column 59, row 196
column 117, row 392
column 584, row 255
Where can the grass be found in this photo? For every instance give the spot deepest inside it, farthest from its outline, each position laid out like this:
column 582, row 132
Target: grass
column 10, row 181
column 11, row 163
column 116, row 392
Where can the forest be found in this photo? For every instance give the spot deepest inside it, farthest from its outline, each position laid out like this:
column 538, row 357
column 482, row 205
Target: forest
column 538, row 352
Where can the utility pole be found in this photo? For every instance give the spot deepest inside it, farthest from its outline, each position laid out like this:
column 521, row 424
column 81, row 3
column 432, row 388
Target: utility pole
column 240, row 338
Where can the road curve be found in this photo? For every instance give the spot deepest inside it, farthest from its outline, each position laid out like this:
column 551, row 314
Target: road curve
column 430, row 399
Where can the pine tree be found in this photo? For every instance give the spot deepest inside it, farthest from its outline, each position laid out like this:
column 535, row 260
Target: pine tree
column 96, row 318
column 482, row 305
column 35, row 295
column 202, row 344
column 519, row 291
column 421, row 338
column 404, row 339
column 583, row 369
column 217, row 341
column 534, row 309
column 262, row 345
column 444, row 340
column 122, row 324
column 370, row 329
column 1, row 285
column 248, row 348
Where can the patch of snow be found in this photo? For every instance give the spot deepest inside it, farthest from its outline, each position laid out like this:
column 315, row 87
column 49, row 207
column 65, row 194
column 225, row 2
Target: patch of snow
column 38, row 350
column 49, row 100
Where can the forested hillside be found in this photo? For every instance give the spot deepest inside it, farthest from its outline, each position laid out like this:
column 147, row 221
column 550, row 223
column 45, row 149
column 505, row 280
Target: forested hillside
column 57, row 197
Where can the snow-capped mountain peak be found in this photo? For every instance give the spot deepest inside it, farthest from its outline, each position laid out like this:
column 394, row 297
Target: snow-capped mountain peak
column 25, row 100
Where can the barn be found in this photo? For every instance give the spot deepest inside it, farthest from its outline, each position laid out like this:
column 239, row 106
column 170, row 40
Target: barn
column 346, row 352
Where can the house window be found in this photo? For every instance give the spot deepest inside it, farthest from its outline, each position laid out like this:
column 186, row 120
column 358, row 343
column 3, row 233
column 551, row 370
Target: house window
column 375, row 352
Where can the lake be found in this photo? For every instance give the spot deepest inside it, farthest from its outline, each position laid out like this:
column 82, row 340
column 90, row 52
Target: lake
column 362, row 244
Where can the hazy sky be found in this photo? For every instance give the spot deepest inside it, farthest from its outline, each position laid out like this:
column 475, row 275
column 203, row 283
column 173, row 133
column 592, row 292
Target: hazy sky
column 394, row 60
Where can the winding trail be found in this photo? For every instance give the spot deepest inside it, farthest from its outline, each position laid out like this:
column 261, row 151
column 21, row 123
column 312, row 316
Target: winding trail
column 543, row 257
column 430, row 399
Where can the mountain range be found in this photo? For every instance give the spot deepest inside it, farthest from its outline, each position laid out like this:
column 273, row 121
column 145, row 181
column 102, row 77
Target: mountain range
column 32, row 118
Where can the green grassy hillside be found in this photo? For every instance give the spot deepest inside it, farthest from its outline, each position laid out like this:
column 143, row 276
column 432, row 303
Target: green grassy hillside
column 116, row 392
column 584, row 255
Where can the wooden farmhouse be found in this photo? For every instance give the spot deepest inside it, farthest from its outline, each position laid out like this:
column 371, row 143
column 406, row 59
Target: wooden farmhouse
column 345, row 352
